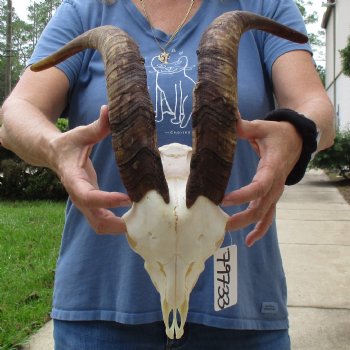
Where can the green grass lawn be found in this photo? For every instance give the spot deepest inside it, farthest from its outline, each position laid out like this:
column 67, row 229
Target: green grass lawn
column 30, row 235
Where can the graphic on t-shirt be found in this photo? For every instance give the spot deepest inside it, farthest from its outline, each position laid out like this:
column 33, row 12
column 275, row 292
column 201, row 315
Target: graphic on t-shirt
column 171, row 79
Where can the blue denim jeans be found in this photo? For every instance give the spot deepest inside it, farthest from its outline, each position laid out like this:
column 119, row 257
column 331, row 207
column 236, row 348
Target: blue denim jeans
column 114, row 336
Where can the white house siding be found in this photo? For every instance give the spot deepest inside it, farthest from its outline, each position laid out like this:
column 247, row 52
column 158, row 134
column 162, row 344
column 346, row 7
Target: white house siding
column 337, row 24
column 330, row 67
column 343, row 102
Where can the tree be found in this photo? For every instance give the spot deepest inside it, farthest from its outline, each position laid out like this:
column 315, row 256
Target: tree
column 8, row 74
column 308, row 17
column 345, row 57
column 322, row 73
column 18, row 50
column 7, row 59
column 15, row 52
column 39, row 13
column 316, row 40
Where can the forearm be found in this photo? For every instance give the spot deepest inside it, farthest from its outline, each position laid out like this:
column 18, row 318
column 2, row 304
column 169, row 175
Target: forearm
column 297, row 86
column 28, row 132
column 320, row 110
column 29, row 113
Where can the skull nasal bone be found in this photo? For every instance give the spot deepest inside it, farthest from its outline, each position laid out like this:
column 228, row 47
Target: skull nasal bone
column 175, row 329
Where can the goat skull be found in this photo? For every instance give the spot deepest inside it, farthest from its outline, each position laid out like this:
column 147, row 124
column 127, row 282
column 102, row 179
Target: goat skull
column 170, row 240
column 175, row 223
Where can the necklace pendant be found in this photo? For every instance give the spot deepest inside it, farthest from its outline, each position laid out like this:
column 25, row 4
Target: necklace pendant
column 163, row 57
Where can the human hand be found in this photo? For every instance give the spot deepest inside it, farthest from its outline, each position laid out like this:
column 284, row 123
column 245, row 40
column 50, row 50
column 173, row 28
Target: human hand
column 279, row 146
column 70, row 153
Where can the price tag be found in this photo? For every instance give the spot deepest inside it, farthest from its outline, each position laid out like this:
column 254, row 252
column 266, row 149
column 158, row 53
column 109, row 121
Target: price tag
column 225, row 277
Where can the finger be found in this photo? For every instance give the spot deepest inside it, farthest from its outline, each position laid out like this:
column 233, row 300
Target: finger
column 104, row 118
column 100, row 128
column 261, row 227
column 250, row 129
column 245, row 194
column 87, row 171
column 85, row 195
column 96, row 131
column 102, row 199
column 104, row 221
column 84, row 192
column 251, row 215
column 259, row 187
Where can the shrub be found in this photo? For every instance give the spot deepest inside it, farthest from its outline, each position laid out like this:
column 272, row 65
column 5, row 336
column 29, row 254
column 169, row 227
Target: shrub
column 22, row 181
column 5, row 153
column 43, row 183
column 337, row 157
column 62, row 124
column 13, row 178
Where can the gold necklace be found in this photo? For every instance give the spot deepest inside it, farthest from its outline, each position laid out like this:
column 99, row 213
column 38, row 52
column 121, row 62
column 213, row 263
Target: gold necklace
column 164, row 56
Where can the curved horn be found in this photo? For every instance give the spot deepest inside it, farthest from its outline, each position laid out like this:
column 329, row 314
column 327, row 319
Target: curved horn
column 131, row 113
column 215, row 105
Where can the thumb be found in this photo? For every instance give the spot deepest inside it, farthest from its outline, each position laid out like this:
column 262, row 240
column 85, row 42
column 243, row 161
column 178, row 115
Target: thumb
column 251, row 131
column 245, row 129
column 254, row 129
column 99, row 129
column 103, row 120
column 101, row 125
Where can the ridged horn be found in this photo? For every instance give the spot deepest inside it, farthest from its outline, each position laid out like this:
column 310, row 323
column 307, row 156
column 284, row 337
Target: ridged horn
column 131, row 113
column 215, row 105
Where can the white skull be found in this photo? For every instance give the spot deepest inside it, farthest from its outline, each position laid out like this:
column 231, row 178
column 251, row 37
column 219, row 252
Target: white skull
column 175, row 241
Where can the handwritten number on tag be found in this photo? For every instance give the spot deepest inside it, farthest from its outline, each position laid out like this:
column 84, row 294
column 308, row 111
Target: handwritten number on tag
column 224, row 280
column 225, row 277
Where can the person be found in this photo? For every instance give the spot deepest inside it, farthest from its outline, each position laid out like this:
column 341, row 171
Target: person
column 103, row 297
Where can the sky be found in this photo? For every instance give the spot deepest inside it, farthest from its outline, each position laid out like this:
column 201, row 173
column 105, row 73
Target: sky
column 21, row 8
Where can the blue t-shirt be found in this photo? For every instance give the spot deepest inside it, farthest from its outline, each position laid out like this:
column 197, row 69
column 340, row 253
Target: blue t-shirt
column 100, row 277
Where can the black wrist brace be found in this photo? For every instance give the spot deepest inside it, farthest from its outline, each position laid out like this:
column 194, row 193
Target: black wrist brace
column 308, row 132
